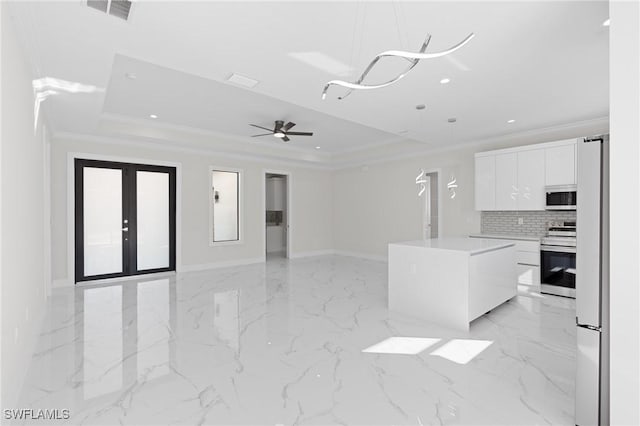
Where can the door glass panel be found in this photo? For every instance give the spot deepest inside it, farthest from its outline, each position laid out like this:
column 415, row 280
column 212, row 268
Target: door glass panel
column 152, row 220
column 102, row 206
column 225, row 206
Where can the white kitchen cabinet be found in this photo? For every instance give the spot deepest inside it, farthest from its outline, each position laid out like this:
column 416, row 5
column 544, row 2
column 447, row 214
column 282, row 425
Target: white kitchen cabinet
column 560, row 164
column 519, row 175
column 527, row 258
column 531, row 180
column 528, row 275
column 507, row 181
column 485, row 183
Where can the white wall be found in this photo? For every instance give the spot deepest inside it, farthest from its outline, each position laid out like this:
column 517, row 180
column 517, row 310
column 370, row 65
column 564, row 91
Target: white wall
column 22, row 219
column 310, row 217
column 376, row 204
column 625, row 212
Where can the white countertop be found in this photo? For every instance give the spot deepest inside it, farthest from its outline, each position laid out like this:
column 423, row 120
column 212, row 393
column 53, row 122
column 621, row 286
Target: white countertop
column 463, row 244
column 507, row 237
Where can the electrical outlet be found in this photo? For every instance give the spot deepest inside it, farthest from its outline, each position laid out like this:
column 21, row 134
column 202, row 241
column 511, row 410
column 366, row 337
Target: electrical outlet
column 520, row 221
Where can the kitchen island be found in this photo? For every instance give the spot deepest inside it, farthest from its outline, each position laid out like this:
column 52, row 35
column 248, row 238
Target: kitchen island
column 451, row 281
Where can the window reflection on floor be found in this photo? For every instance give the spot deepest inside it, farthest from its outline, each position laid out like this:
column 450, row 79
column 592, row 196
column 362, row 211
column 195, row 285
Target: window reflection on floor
column 102, row 341
column 153, row 328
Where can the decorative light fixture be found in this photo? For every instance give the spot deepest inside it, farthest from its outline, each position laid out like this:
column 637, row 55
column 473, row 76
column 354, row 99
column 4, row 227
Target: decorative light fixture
column 421, row 180
column 451, row 186
column 412, row 57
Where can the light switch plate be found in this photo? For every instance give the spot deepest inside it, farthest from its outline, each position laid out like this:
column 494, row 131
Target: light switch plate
column 520, row 221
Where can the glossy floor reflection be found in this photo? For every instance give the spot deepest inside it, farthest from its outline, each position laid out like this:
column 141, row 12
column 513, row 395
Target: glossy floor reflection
column 283, row 342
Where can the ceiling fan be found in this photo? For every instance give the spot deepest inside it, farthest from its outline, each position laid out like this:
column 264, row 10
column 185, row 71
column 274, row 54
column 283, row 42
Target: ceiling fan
column 281, row 130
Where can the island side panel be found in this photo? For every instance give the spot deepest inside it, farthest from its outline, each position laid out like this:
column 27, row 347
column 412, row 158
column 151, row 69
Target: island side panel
column 492, row 280
column 430, row 284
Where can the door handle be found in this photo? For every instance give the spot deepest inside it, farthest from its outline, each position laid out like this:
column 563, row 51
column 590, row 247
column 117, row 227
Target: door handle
column 125, row 229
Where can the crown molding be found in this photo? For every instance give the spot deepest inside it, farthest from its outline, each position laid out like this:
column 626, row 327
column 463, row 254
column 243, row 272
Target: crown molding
column 591, row 126
column 107, row 118
column 189, row 149
column 328, row 161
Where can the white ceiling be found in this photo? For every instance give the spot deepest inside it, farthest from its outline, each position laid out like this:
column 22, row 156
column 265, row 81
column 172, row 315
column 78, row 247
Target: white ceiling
column 543, row 64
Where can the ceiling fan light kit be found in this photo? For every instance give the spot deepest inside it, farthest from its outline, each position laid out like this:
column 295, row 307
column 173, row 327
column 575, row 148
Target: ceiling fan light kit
column 281, row 131
column 412, row 57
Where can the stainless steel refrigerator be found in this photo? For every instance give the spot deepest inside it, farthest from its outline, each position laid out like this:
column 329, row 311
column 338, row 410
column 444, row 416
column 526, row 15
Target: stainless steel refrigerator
column 592, row 282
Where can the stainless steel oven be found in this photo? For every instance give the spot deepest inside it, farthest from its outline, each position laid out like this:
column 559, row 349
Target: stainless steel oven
column 561, row 197
column 558, row 270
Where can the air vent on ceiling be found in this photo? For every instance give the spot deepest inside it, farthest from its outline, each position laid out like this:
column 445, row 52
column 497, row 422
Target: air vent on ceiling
column 117, row 8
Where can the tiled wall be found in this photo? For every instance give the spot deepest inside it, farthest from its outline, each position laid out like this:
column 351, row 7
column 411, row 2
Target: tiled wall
column 534, row 222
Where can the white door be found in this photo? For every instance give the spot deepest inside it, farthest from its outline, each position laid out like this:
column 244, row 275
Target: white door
column 560, row 165
column 531, row 180
column 507, row 190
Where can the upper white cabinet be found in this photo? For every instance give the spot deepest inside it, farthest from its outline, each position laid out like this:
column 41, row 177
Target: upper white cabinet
column 531, row 180
column 486, row 183
column 507, row 182
column 514, row 178
column 561, row 164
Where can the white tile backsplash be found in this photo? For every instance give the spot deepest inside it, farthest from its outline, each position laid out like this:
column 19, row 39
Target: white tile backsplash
column 534, row 223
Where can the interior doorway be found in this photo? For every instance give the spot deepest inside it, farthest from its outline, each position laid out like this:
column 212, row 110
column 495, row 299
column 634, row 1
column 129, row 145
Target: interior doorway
column 430, row 216
column 276, row 215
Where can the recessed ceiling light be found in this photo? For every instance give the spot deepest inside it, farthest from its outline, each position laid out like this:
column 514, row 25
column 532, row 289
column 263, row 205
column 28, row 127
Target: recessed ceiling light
column 153, row 116
column 445, row 80
column 420, row 107
column 242, row 80
column 317, row 147
column 606, row 23
column 131, row 75
column 511, row 121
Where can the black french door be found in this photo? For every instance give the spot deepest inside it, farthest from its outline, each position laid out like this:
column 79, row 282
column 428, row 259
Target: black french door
column 125, row 219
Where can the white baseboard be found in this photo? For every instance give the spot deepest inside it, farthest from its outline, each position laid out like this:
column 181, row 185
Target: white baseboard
column 367, row 256
column 311, row 253
column 223, row 264
column 63, row 282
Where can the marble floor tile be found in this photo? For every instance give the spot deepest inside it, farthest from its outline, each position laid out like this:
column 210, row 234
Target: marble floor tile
column 282, row 343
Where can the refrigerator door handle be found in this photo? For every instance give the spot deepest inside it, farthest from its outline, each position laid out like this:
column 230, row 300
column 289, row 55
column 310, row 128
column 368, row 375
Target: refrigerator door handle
column 590, row 327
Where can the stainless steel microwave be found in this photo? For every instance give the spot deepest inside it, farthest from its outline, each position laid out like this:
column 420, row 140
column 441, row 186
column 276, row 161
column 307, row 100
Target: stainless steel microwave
column 561, row 197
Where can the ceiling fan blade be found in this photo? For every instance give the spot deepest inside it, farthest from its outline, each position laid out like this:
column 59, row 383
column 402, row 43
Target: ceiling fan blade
column 263, row 134
column 260, row 127
column 288, row 126
column 286, row 139
column 300, row 133
column 278, row 126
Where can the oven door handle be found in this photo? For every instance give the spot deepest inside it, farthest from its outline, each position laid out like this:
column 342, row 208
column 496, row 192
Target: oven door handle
column 558, row 249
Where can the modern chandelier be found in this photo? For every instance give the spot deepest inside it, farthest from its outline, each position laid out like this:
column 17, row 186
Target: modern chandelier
column 412, row 57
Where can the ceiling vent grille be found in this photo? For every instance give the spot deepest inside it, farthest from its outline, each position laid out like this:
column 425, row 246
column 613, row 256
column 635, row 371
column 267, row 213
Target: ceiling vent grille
column 117, row 8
